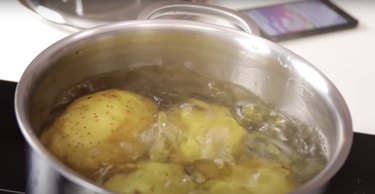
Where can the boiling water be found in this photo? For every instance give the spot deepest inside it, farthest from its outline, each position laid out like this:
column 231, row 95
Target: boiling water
column 302, row 147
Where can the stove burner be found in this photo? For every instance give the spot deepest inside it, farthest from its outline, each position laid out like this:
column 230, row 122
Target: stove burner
column 12, row 144
column 10, row 191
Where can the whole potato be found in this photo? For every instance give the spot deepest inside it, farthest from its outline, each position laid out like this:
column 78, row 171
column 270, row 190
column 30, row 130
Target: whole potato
column 100, row 129
column 196, row 130
column 152, row 178
column 255, row 176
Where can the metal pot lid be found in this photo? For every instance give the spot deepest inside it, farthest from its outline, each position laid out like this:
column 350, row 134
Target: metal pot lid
column 83, row 14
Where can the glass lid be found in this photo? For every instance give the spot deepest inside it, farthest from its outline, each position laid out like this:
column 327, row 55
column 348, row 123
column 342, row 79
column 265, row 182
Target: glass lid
column 87, row 13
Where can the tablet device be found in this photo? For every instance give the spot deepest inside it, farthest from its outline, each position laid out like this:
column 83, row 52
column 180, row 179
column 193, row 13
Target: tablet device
column 301, row 18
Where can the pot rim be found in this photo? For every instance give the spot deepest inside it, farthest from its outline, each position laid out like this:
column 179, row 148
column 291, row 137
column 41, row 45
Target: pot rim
column 39, row 63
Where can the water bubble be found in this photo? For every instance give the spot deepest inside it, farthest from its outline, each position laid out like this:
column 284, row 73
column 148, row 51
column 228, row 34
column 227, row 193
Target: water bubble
column 254, row 48
column 290, row 83
column 159, row 62
column 189, row 65
column 283, row 62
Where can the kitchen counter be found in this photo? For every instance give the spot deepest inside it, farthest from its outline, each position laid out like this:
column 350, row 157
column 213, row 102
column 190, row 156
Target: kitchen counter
column 345, row 57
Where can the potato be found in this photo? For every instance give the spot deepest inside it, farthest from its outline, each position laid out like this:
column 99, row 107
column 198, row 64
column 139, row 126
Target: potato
column 203, row 170
column 255, row 176
column 191, row 147
column 100, row 129
column 152, row 178
column 199, row 131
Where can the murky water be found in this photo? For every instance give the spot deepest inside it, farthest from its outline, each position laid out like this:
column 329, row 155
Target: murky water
column 271, row 135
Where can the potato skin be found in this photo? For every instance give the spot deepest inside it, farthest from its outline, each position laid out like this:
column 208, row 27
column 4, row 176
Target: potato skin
column 100, row 129
column 255, row 176
column 152, row 178
column 208, row 132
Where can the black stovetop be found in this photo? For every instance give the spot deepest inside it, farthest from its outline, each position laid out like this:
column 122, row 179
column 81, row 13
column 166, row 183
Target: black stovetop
column 357, row 176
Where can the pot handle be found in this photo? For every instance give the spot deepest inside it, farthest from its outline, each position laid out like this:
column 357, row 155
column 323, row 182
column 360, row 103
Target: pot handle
column 168, row 8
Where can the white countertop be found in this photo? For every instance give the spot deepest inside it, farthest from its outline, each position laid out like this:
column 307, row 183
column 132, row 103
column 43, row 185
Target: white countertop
column 344, row 56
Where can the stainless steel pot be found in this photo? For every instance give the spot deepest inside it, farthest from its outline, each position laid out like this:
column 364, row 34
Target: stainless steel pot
column 275, row 74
